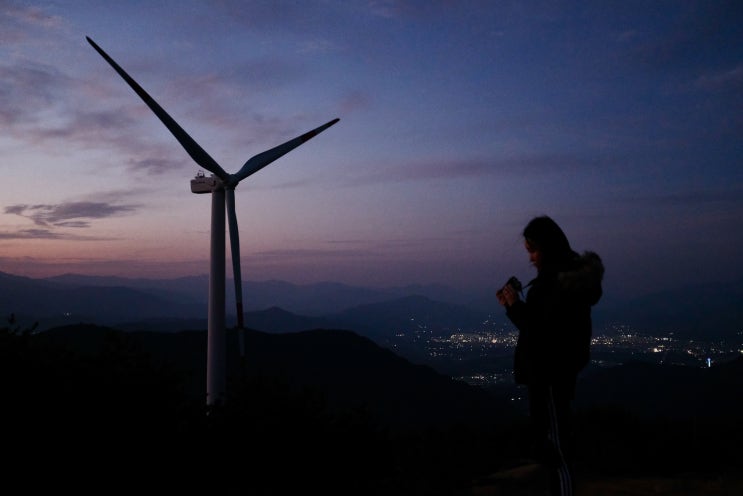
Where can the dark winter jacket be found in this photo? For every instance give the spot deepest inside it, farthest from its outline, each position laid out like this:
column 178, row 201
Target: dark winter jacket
column 554, row 322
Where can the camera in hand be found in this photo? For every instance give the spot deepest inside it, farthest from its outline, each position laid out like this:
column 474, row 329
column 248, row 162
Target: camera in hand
column 515, row 284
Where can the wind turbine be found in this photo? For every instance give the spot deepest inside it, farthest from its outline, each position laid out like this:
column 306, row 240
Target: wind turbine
column 222, row 186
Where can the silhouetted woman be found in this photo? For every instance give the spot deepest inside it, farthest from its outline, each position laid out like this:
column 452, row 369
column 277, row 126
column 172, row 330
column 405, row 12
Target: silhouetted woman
column 554, row 324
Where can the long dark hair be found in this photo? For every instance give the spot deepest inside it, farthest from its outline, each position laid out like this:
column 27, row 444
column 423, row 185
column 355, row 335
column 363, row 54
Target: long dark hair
column 545, row 235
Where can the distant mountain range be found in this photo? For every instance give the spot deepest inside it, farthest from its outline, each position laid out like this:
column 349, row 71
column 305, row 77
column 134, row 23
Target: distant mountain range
column 705, row 311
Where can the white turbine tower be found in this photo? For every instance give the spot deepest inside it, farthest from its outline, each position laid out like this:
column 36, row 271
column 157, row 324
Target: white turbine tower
column 222, row 187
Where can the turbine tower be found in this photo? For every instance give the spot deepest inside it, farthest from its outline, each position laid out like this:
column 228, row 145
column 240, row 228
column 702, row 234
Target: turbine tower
column 222, row 186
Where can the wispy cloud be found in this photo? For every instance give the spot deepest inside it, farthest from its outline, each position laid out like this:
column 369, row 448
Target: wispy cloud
column 44, row 107
column 154, row 165
column 346, row 249
column 697, row 198
column 48, row 234
column 354, row 101
column 17, row 18
column 728, row 79
column 70, row 214
column 306, row 254
column 27, row 89
column 33, row 234
column 43, row 267
column 470, row 168
column 690, row 38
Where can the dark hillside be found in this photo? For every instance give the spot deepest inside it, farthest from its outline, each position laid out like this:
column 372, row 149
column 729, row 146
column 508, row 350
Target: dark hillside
column 329, row 411
column 662, row 419
column 355, row 372
column 650, row 390
column 331, row 408
column 351, row 371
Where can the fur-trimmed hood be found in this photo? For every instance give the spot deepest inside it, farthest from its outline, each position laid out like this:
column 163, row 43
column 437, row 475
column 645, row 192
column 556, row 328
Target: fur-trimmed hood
column 584, row 277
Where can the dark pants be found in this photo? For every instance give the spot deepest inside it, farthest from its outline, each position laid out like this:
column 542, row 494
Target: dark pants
column 549, row 410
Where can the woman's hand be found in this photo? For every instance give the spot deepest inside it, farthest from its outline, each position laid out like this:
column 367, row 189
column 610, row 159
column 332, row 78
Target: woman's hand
column 501, row 297
column 507, row 296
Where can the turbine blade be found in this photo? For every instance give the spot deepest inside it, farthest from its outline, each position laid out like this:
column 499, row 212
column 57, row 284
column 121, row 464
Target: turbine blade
column 261, row 160
column 197, row 153
column 235, row 251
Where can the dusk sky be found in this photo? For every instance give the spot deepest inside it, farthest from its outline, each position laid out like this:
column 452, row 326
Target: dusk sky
column 459, row 122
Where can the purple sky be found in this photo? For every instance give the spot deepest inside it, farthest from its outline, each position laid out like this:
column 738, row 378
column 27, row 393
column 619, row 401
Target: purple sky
column 460, row 121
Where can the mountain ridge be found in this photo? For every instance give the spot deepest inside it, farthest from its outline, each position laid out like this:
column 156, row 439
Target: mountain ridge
column 707, row 311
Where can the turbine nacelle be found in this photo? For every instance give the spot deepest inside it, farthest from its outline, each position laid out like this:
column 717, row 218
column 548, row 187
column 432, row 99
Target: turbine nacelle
column 202, row 184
